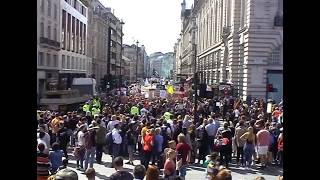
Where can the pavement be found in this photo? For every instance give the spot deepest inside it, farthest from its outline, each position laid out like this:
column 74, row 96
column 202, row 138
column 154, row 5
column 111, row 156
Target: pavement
column 194, row 171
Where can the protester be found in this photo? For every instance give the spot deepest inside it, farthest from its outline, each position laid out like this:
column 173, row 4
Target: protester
column 121, row 174
column 139, row 171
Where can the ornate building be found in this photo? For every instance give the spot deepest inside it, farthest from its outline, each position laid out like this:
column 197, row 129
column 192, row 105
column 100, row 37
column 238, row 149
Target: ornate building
column 239, row 42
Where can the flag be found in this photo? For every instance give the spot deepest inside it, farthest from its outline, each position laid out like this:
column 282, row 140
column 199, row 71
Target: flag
column 170, row 89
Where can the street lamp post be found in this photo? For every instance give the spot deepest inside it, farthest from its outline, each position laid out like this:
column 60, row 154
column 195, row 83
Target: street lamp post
column 137, row 60
column 121, row 51
column 195, row 77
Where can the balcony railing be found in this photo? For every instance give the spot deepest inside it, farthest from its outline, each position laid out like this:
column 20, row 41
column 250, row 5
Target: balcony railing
column 50, row 42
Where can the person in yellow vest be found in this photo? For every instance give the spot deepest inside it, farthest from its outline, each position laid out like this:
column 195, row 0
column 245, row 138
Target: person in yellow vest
column 134, row 110
column 95, row 110
column 86, row 107
column 167, row 115
column 96, row 102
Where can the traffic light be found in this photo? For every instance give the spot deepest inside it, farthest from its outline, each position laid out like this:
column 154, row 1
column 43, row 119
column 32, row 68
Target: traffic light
column 269, row 88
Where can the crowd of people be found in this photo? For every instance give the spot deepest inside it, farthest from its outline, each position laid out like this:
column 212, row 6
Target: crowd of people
column 162, row 134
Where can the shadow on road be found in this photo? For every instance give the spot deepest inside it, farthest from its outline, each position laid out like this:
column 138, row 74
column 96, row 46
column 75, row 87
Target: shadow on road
column 195, row 168
column 102, row 176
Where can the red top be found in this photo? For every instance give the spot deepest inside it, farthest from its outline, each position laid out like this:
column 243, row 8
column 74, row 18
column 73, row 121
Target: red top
column 169, row 167
column 183, row 150
column 147, row 142
column 280, row 143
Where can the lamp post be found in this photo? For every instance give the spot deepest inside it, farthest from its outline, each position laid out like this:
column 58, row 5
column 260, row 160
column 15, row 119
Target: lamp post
column 195, row 77
column 137, row 60
column 121, row 51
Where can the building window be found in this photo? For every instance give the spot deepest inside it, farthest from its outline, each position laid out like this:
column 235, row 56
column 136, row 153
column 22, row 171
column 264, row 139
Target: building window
column 49, row 8
column 68, row 62
column 83, row 10
column 243, row 13
column 72, row 34
column 49, row 60
column 63, row 29
column 75, row 4
column 55, row 34
column 42, row 6
column 275, row 56
column 72, row 63
column 42, row 29
column 40, row 59
column 55, row 11
column 49, row 32
column 80, row 43
column 84, row 38
column 68, row 31
column 113, row 55
column 55, row 61
column 63, row 61
column 77, row 37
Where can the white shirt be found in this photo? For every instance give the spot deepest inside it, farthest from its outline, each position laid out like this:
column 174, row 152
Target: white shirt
column 81, row 139
column 117, row 139
column 236, row 113
column 46, row 139
column 111, row 124
column 46, row 149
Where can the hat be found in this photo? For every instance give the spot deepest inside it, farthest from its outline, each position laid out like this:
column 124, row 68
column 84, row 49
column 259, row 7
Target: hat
column 66, row 174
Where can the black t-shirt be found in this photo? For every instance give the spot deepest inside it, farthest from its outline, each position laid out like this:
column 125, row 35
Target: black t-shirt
column 121, row 175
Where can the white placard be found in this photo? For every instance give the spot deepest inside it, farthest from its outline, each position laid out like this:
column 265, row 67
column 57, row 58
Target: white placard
column 269, row 108
column 218, row 104
column 163, row 94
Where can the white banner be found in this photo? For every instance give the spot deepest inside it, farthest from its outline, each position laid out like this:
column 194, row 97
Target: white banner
column 163, row 94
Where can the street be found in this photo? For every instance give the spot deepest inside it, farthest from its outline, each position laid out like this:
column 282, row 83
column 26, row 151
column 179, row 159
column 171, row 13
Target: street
column 194, row 172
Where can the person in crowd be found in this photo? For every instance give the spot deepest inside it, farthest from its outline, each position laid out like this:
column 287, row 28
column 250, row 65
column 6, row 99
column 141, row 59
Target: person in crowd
column 41, row 140
column 203, row 141
column 43, row 163
column 55, row 157
column 65, row 163
column 212, row 166
column 90, row 145
column 169, row 166
column 263, row 142
column 117, row 140
column 66, row 174
column 90, row 174
column 152, row 173
column 249, row 145
column 148, row 142
column 130, row 134
column 183, row 154
column 121, row 173
column 240, row 130
column 100, row 139
column 157, row 148
column 139, row 172
column 280, row 148
column 80, row 150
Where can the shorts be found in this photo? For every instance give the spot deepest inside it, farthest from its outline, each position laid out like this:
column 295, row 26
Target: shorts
column 183, row 171
column 262, row 150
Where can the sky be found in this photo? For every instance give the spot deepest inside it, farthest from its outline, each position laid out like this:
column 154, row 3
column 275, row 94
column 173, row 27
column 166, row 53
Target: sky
column 155, row 24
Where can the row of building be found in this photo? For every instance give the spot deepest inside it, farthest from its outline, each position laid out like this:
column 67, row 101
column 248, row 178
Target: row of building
column 83, row 38
column 238, row 42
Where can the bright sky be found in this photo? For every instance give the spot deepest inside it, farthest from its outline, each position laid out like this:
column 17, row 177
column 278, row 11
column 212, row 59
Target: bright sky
column 154, row 23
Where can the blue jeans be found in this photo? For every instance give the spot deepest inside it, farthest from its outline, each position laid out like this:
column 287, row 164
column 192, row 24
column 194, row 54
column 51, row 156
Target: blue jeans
column 115, row 150
column 89, row 157
column 183, row 171
column 248, row 150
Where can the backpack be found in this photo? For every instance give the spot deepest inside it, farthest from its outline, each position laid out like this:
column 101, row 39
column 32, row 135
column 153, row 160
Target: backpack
column 200, row 133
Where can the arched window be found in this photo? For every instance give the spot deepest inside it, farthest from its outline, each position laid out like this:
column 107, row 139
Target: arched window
column 42, row 29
